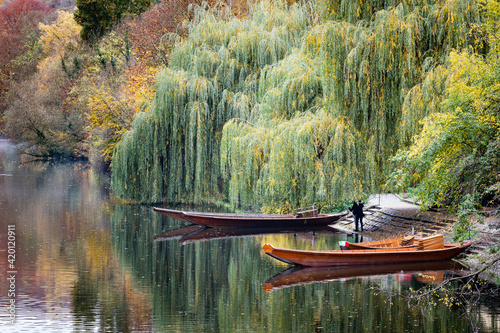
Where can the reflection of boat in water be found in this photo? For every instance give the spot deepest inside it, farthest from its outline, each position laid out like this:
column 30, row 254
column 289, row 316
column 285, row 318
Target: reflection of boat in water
column 198, row 233
column 366, row 257
column 179, row 232
column 432, row 272
column 224, row 220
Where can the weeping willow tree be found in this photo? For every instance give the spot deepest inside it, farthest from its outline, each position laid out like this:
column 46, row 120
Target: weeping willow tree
column 172, row 152
column 291, row 105
column 331, row 114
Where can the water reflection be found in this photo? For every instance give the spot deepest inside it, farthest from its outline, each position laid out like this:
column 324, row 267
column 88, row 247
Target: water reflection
column 67, row 277
column 87, row 263
column 429, row 273
column 196, row 233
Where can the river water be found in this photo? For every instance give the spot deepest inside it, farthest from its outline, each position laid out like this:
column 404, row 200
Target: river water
column 73, row 259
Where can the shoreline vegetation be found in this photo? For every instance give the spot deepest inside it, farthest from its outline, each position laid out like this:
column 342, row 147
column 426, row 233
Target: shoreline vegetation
column 269, row 104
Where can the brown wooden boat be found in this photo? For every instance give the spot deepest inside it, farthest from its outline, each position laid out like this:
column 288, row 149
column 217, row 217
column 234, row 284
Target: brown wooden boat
column 176, row 214
column 297, row 275
column 365, row 257
column 411, row 241
column 224, row 220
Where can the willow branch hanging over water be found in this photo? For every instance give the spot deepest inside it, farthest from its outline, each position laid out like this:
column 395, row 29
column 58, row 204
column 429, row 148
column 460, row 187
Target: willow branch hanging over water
column 281, row 109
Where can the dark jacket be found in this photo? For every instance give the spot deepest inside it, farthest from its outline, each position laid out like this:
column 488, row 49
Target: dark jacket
column 357, row 209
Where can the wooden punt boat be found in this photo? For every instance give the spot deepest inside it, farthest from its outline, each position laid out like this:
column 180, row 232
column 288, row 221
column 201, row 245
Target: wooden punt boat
column 223, row 220
column 298, row 275
column 411, row 241
column 176, row 214
column 365, row 257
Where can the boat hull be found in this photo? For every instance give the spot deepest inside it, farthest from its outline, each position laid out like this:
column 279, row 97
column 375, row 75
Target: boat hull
column 364, row 257
column 222, row 220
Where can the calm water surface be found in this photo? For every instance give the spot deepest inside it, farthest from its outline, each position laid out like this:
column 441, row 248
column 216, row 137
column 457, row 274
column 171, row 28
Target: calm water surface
column 85, row 263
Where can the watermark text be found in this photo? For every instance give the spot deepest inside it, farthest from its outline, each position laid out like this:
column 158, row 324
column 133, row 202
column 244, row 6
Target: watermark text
column 11, row 272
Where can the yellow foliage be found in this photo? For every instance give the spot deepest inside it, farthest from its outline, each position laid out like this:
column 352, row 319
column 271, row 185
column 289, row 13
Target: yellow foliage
column 108, row 114
column 60, row 36
column 140, row 86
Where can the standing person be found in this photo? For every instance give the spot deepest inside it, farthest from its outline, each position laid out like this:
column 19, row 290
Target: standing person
column 357, row 212
column 360, row 213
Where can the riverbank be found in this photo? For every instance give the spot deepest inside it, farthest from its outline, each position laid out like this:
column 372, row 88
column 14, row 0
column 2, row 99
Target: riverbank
column 389, row 215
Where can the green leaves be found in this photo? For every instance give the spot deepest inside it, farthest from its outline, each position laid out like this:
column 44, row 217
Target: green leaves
column 98, row 16
column 456, row 153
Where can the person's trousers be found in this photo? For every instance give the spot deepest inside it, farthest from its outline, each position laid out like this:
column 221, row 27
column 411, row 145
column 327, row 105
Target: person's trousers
column 360, row 220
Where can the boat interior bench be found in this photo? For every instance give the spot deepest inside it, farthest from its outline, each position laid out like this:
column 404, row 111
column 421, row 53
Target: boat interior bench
column 306, row 212
column 435, row 242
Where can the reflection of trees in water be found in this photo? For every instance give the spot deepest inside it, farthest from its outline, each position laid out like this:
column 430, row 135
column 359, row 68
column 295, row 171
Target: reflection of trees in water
column 84, row 296
column 183, row 280
column 473, row 300
column 103, row 294
column 217, row 285
column 105, row 305
column 63, row 240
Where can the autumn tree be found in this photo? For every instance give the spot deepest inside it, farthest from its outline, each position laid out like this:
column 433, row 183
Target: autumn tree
column 37, row 118
column 100, row 93
column 61, row 40
column 19, row 51
column 121, row 74
column 153, row 33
